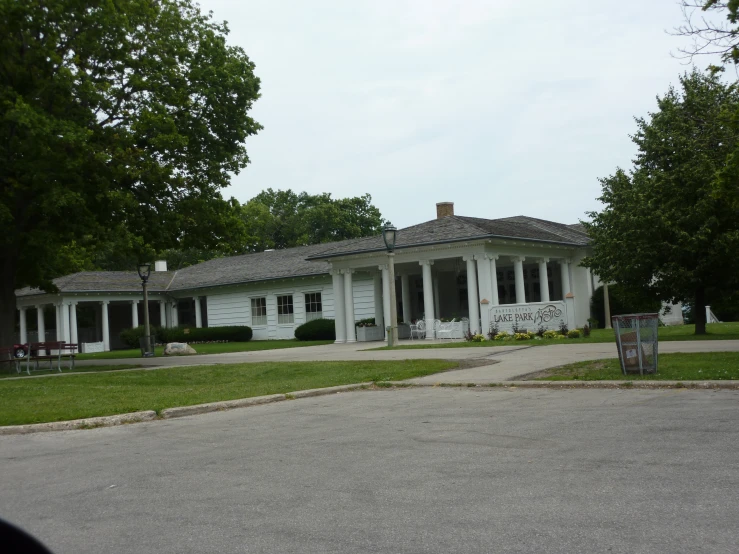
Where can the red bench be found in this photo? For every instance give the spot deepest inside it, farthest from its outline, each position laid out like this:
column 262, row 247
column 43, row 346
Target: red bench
column 51, row 351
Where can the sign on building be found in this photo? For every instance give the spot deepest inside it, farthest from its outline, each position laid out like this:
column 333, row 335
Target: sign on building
column 528, row 317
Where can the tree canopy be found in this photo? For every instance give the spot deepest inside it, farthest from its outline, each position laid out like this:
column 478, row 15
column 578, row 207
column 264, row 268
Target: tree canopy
column 713, row 27
column 669, row 227
column 120, row 120
column 282, row 219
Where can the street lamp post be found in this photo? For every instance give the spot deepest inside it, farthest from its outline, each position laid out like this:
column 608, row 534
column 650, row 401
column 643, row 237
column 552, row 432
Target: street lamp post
column 144, row 272
column 389, row 234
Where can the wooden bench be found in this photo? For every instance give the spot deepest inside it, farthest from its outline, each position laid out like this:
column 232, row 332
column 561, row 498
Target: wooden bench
column 7, row 357
column 51, row 351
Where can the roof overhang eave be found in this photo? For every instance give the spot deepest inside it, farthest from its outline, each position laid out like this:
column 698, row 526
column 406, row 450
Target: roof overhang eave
column 448, row 241
column 246, row 282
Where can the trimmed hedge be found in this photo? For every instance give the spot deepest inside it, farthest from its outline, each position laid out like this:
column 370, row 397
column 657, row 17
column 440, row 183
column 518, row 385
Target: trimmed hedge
column 177, row 334
column 317, row 329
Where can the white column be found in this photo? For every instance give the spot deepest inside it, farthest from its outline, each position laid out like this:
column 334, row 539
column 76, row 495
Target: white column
column 405, row 291
column 379, row 299
column 484, row 285
column 428, row 298
column 106, row 326
column 473, row 302
column 564, row 266
column 65, row 322
column 73, row 323
column 494, row 300
column 385, row 295
column 41, row 324
column 134, row 313
column 437, row 306
column 351, row 330
column 24, row 327
column 339, row 309
column 198, row 313
column 175, row 315
column 518, row 272
column 162, row 313
column 543, row 279
column 58, row 336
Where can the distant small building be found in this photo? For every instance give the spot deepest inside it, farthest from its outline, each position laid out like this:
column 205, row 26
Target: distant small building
column 511, row 272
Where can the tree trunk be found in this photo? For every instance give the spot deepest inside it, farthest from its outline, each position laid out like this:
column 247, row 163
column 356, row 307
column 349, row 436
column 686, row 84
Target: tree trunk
column 699, row 312
column 7, row 301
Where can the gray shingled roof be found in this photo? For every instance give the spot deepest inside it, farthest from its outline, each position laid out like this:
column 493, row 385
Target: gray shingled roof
column 260, row 266
column 105, row 281
column 458, row 228
column 310, row 260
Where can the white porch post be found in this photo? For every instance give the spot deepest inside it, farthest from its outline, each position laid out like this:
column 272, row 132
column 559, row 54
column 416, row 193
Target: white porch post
column 520, row 287
column 65, row 322
column 41, row 323
column 543, row 279
column 162, row 313
column 473, row 302
column 495, row 301
column 564, row 266
column 351, row 330
column 106, row 326
column 73, row 322
column 405, row 292
column 198, row 313
column 134, row 313
column 484, row 286
column 385, row 296
column 379, row 299
column 58, row 329
column 437, row 306
column 339, row 309
column 428, row 298
column 23, row 326
column 175, row 314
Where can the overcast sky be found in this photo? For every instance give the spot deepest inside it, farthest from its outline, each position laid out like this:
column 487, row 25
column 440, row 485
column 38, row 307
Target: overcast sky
column 503, row 107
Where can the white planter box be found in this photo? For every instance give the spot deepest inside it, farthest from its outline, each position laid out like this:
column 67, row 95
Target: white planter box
column 366, row 334
column 89, row 347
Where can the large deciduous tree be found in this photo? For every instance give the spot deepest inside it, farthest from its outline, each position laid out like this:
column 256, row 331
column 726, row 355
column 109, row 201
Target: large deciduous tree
column 116, row 116
column 670, row 225
column 282, row 219
column 713, row 27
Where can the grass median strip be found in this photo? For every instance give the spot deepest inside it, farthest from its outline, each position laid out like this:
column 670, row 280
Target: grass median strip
column 80, row 396
column 211, row 348
column 715, row 331
column 66, row 370
column 672, row 367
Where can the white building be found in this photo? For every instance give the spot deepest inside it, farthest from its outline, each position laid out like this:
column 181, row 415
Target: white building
column 489, row 271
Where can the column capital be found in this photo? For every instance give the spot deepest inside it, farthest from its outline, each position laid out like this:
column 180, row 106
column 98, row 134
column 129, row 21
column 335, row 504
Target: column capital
column 543, row 260
column 104, row 302
column 426, row 262
column 565, row 260
column 347, row 271
column 40, row 306
column 470, row 258
column 383, row 267
column 134, row 302
column 196, row 298
column 22, row 308
column 518, row 258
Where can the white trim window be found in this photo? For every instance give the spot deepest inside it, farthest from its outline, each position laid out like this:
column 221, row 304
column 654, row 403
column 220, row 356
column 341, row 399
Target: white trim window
column 313, row 306
column 285, row 312
column 259, row 311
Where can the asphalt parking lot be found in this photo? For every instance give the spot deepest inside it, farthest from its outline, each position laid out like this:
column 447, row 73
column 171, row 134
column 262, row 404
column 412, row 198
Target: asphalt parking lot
column 407, row 471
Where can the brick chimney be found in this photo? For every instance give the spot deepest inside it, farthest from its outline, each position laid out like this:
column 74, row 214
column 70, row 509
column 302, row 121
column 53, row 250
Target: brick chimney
column 444, row 209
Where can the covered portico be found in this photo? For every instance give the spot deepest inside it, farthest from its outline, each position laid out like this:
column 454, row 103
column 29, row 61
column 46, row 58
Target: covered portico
column 467, row 277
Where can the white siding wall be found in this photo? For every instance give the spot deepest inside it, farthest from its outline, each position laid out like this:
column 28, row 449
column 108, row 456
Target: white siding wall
column 232, row 305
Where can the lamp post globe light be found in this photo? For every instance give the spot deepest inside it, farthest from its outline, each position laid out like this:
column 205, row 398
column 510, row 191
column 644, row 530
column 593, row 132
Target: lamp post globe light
column 389, row 234
column 144, row 270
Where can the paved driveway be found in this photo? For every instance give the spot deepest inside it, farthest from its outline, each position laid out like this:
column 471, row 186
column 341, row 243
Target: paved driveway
column 404, row 471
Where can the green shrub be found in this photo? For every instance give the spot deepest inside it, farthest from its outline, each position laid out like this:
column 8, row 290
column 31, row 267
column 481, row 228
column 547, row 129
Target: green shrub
column 503, row 335
column 132, row 335
column 229, row 333
column 366, row 322
column 523, row 336
column 551, row 334
column 573, row 334
column 479, row 337
column 317, row 329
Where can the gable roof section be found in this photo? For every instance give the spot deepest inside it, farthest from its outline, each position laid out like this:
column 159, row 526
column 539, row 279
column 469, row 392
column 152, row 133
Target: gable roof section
column 458, row 228
column 105, row 281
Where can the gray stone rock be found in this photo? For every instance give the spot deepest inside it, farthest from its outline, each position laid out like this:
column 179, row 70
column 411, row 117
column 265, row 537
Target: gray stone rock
column 178, row 349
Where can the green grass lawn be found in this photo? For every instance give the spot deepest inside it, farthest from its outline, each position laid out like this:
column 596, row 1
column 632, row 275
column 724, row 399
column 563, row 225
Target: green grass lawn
column 674, row 367
column 66, row 370
column 210, row 348
column 716, row 331
column 78, row 396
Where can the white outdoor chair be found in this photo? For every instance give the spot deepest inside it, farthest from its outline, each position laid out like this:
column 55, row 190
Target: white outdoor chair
column 418, row 329
column 444, row 329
